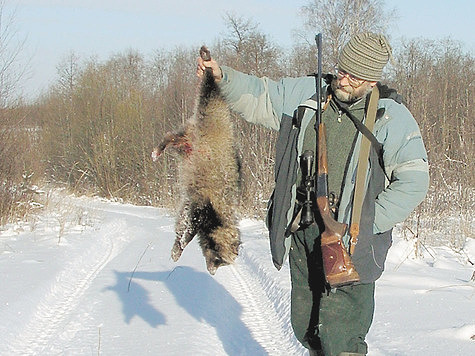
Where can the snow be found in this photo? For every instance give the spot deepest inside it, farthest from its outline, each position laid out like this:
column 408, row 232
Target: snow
column 90, row 276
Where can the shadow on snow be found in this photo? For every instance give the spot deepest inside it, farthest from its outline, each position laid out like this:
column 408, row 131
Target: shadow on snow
column 197, row 293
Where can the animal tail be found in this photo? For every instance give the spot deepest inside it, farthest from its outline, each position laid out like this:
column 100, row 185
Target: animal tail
column 209, row 87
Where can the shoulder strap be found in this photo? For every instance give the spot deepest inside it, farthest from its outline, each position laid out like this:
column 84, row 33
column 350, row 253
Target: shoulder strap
column 362, row 169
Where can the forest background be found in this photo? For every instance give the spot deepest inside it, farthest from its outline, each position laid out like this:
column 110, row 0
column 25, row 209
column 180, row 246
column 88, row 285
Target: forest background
column 93, row 131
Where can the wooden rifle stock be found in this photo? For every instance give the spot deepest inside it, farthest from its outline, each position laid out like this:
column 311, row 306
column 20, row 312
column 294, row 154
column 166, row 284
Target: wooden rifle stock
column 337, row 265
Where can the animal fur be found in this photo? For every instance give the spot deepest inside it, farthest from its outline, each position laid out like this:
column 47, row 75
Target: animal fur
column 210, row 178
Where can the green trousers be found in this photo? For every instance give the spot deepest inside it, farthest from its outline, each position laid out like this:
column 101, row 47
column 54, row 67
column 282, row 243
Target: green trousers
column 328, row 322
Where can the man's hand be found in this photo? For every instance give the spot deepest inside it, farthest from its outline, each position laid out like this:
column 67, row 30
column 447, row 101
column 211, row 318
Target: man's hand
column 202, row 65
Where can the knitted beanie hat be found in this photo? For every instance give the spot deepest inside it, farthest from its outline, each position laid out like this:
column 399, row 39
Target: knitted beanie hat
column 365, row 56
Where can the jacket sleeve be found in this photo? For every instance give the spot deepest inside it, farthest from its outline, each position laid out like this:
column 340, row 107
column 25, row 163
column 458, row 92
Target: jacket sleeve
column 406, row 164
column 261, row 100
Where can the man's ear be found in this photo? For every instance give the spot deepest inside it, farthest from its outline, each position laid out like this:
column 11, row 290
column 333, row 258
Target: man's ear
column 372, row 84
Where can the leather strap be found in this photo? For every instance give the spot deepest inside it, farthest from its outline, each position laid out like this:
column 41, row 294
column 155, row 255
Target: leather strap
column 362, row 170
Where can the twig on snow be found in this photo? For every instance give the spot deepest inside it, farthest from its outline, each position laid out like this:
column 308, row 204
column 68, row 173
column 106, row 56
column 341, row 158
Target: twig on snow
column 135, row 268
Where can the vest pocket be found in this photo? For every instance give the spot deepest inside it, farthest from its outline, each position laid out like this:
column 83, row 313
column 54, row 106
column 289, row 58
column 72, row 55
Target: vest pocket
column 370, row 255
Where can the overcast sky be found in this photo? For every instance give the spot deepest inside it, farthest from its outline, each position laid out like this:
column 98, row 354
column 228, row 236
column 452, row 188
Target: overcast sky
column 55, row 28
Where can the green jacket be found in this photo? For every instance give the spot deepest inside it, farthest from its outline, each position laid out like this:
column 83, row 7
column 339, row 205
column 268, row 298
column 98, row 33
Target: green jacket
column 274, row 105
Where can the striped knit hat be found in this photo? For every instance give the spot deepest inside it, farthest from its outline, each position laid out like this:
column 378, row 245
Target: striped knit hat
column 365, row 56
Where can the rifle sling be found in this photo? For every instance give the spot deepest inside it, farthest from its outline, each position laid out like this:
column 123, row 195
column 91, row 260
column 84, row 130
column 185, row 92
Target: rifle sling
column 363, row 167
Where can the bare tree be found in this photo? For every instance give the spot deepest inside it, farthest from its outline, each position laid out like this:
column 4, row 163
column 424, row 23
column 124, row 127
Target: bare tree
column 18, row 150
column 68, row 71
column 250, row 50
column 11, row 46
column 240, row 32
column 338, row 20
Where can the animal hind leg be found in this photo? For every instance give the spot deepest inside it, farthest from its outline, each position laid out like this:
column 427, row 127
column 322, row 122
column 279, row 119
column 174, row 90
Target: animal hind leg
column 185, row 230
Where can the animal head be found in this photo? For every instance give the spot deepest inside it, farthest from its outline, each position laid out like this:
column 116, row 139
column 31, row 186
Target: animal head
column 179, row 141
column 215, row 259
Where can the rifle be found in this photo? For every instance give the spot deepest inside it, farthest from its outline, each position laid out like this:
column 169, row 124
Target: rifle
column 337, row 265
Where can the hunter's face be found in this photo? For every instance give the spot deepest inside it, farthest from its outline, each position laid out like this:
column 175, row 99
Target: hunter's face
column 348, row 88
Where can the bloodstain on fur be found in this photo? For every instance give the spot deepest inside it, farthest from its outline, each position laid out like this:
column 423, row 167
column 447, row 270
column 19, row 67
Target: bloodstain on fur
column 210, row 177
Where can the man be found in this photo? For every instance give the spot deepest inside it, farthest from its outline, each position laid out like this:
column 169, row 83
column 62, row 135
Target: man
column 335, row 321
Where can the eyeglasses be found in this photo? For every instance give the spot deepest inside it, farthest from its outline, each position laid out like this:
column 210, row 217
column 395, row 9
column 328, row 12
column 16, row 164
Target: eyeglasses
column 352, row 80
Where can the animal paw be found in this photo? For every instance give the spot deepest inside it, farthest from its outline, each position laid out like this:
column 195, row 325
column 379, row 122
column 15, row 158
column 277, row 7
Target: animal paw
column 176, row 251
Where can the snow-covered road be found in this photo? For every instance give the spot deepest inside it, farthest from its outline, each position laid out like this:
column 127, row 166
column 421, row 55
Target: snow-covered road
column 101, row 282
column 113, row 289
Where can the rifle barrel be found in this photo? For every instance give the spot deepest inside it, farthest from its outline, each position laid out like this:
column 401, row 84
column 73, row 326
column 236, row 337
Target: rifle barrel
column 318, row 40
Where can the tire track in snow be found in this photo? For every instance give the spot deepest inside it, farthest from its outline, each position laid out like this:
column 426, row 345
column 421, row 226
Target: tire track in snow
column 66, row 292
column 258, row 313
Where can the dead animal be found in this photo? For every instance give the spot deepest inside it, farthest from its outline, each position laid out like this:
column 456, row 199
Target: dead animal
column 210, row 177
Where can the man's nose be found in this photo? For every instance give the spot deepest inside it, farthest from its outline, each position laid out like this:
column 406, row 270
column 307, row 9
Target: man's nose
column 344, row 81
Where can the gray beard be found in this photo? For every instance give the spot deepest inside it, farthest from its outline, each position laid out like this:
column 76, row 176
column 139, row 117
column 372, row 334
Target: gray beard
column 350, row 97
